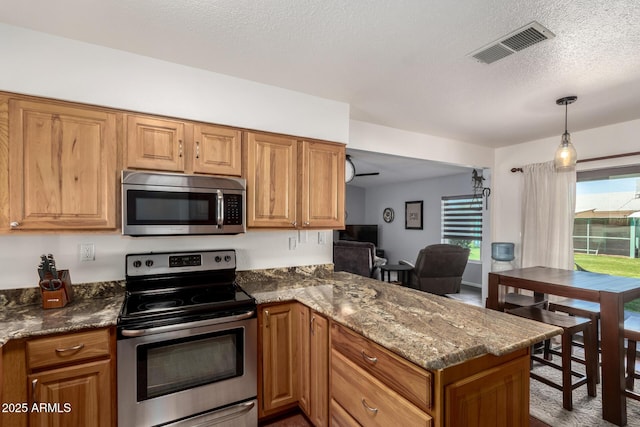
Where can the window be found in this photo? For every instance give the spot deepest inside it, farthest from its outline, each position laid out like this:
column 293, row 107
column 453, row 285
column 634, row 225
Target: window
column 606, row 228
column 462, row 223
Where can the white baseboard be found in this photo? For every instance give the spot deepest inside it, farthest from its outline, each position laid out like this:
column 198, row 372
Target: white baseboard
column 473, row 285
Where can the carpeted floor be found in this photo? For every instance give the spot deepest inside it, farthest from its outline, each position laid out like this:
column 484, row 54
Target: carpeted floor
column 546, row 404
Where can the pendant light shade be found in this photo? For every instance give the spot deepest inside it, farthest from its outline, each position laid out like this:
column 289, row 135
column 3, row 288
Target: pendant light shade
column 566, row 155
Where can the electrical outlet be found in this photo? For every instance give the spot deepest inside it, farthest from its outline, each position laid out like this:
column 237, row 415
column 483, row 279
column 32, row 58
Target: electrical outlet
column 87, row 252
column 322, row 238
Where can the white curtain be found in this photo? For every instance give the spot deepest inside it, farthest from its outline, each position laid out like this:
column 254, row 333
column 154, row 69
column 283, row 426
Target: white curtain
column 548, row 209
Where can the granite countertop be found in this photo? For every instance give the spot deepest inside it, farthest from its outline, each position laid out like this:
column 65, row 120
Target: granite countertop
column 94, row 305
column 431, row 331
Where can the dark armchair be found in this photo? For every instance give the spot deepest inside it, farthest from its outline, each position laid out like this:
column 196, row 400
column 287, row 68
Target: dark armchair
column 438, row 269
column 356, row 257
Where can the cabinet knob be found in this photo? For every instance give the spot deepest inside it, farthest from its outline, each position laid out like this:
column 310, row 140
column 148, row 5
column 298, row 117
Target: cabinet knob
column 306, row 223
column 14, row 224
column 294, row 223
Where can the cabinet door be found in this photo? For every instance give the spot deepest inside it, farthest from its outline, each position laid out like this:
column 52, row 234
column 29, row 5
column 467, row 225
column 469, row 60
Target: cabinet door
column 217, row 150
column 73, row 396
column 495, row 397
column 319, row 370
column 154, row 143
column 62, row 166
column 304, row 351
column 278, row 359
column 322, row 188
column 271, row 171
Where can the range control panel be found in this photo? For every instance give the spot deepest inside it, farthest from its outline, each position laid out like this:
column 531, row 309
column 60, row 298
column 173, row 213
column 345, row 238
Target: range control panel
column 152, row 263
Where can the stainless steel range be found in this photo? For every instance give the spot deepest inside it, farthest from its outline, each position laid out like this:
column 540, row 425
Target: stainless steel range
column 187, row 342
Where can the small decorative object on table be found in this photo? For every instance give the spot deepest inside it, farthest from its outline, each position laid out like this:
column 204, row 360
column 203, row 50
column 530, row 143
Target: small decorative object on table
column 55, row 285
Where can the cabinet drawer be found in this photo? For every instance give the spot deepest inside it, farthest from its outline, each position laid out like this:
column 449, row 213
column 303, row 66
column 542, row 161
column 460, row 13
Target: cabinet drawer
column 405, row 378
column 368, row 400
column 340, row 417
column 63, row 349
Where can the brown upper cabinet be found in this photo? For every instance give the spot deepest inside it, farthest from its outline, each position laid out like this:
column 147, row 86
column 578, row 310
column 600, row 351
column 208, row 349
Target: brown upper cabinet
column 62, row 166
column 179, row 146
column 292, row 183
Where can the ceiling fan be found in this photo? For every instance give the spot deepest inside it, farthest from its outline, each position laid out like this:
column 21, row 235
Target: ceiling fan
column 350, row 170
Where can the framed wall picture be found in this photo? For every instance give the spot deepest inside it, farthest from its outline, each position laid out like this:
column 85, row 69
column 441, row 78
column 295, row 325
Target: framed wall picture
column 413, row 215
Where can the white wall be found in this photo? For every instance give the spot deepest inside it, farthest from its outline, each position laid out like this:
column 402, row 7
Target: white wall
column 40, row 64
column 382, row 139
column 507, row 186
column 355, row 204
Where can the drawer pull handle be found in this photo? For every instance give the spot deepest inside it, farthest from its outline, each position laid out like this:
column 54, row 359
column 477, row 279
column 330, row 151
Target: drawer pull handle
column 34, row 385
column 372, row 360
column 74, row 348
column 374, row 411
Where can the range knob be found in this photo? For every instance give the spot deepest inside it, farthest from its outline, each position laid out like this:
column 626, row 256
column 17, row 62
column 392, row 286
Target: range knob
column 148, row 262
column 227, row 258
column 217, row 258
column 137, row 263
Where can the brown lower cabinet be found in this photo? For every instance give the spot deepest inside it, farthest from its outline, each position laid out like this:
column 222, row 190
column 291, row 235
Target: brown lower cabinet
column 65, row 380
column 353, row 381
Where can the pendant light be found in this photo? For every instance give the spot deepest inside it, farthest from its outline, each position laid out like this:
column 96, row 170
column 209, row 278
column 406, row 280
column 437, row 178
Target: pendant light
column 566, row 156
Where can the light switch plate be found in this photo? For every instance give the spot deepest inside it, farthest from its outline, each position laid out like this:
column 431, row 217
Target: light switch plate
column 87, row 252
column 292, row 243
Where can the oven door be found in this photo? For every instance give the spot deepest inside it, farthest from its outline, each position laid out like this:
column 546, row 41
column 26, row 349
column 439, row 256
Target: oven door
column 171, row 373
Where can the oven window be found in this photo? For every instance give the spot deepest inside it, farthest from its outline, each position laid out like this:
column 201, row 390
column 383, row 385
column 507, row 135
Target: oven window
column 171, row 366
column 170, row 208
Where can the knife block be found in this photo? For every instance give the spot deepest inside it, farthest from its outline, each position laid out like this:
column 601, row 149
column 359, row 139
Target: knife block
column 60, row 297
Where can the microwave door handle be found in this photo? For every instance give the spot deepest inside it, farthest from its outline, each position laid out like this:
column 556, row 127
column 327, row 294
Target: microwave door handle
column 220, row 209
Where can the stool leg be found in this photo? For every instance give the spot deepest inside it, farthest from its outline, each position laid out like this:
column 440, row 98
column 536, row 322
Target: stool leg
column 547, row 346
column 595, row 333
column 631, row 364
column 566, row 372
column 590, row 358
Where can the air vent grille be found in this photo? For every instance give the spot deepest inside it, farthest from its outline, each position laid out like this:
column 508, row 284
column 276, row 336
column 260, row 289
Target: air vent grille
column 515, row 41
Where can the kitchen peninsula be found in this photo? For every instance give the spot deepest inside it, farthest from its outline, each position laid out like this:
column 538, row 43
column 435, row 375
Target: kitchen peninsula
column 446, row 347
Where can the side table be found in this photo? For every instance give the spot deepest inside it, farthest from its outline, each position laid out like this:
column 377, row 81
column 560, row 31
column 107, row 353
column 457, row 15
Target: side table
column 402, row 272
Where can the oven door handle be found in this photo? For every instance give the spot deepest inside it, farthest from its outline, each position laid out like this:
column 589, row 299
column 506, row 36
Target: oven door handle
column 180, row 326
column 215, row 417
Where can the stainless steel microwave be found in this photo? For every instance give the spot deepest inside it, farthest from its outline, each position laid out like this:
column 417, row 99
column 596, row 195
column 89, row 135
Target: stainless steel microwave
column 166, row 204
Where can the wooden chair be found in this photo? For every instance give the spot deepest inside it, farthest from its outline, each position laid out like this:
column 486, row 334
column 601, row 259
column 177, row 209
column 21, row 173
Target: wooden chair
column 632, row 334
column 570, row 326
column 580, row 308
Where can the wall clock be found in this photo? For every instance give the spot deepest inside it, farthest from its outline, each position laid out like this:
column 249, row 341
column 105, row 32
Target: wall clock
column 388, row 215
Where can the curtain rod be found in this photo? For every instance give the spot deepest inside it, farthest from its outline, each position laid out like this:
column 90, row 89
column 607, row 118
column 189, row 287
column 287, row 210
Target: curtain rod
column 593, row 159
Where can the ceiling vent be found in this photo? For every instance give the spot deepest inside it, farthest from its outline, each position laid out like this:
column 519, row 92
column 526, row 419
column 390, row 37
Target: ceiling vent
column 513, row 42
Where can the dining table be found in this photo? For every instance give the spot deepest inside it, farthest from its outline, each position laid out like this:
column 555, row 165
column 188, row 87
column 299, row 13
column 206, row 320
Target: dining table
column 611, row 292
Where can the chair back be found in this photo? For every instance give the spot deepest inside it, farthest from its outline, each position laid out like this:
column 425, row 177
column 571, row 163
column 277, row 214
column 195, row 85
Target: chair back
column 354, row 257
column 439, row 268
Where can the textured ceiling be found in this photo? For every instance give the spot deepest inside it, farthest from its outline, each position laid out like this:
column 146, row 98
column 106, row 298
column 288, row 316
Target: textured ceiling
column 399, row 63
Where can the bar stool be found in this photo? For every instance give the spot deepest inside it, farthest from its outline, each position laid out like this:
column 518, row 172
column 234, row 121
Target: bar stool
column 570, row 326
column 515, row 300
column 580, row 308
column 632, row 334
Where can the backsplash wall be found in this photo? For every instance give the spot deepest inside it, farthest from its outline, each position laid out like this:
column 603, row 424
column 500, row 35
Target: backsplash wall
column 20, row 255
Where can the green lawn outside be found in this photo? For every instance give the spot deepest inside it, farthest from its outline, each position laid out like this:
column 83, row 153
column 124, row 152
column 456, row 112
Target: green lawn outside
column 474, row 254
column 614, row 265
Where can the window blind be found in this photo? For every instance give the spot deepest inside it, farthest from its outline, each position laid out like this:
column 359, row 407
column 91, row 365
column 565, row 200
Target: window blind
column 462, row 218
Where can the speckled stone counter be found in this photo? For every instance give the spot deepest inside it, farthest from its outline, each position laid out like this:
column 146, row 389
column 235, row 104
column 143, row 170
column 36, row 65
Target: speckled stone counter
column 94, row 305
column 431, row 331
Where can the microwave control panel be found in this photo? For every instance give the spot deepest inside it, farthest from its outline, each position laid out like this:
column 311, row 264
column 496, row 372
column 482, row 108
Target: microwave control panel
column 232, row 209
